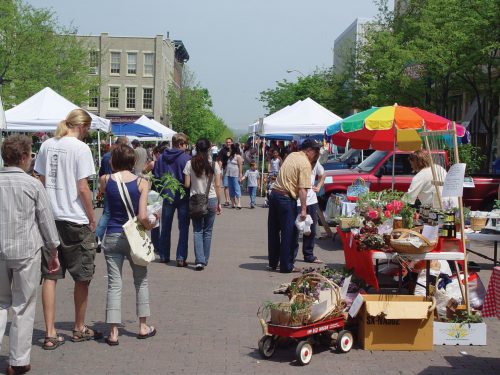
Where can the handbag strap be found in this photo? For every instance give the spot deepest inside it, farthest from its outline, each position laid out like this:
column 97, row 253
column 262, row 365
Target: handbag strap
column 210, row 178
column 124, row 194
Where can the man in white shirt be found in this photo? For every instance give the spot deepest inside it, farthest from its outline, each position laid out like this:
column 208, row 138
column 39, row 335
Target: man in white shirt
column 64, row 163
column 312, row 210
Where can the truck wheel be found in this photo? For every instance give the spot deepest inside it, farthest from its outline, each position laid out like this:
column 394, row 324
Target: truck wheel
column 266, row 347
column 344, row 341
column 304, row 353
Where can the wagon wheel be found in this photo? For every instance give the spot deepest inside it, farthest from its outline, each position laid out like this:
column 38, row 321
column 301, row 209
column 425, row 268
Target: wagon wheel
column 344, row 341
column 304, row 353
column 267, row 345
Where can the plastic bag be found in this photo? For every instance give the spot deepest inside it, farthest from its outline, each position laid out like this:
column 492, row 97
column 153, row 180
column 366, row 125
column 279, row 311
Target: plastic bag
column 304, row 226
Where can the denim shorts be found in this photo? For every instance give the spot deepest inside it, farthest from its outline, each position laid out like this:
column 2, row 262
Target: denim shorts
column 234, row 187
column 76, row 252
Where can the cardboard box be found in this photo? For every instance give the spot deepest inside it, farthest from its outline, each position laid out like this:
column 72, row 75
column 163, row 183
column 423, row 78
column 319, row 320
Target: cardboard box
column 456, row 334
column 396, row 322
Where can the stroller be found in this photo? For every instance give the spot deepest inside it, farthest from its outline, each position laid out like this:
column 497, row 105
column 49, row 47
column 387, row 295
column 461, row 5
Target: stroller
column 270, row 181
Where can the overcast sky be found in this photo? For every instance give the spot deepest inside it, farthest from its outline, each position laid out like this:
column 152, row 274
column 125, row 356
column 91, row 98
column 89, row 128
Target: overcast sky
column 237, row 48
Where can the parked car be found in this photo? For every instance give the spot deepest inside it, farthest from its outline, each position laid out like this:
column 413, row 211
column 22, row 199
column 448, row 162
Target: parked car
column 377, row 171
column 348, row 160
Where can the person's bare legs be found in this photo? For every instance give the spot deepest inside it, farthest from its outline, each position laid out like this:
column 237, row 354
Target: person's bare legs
column 49, row 306
column 113, row 332
column 81, row 293
column 238, row 202
column 143, row 327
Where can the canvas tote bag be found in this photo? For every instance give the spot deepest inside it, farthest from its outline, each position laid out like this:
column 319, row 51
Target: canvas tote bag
column 141, row 248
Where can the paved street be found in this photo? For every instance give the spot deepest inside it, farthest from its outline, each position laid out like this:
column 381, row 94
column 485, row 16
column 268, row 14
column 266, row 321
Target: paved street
column 207, row 321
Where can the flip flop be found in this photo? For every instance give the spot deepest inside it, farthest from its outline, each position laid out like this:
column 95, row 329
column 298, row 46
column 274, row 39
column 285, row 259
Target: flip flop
column 55, row 341
column 151, row 333
column 111, row 342
column 317, row 261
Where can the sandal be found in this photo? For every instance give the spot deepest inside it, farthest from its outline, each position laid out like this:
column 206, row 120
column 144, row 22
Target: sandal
column 86, row 334
column 51, row 343
column 111, row 342
column 151, row 333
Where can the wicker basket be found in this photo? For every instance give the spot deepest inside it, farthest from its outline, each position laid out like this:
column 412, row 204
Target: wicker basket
column 283, row 314
column 402, row 245
column 478, row 223
column 332, row 305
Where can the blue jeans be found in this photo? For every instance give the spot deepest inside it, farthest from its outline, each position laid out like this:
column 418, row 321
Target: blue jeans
column 252, row 192
column 100, row 230
column 308, row 241
column 202, row 233
column 116, row 250
column 234, row 187
column 282, row 235
column 167, row 217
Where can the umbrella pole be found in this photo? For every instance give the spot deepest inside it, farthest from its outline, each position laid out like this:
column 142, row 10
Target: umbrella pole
column 393, row 156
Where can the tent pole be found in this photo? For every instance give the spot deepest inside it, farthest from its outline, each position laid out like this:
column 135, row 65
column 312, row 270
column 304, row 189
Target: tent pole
column 262, row 193
column 99, row 146
column 393, row 154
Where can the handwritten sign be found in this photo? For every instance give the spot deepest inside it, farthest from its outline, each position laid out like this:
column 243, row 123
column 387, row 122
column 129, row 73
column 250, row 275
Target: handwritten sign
column 454, row 181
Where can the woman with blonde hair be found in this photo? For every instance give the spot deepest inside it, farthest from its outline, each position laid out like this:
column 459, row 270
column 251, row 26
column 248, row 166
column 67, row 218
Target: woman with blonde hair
column 74, row 119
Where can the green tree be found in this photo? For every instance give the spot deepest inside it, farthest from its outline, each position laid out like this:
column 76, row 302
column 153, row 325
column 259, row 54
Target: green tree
column 35, row 52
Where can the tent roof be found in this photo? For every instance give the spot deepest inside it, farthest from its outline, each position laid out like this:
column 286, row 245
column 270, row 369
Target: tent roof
column 43, row 111
column 305, row 117
column 166, row 132
column 133, row 129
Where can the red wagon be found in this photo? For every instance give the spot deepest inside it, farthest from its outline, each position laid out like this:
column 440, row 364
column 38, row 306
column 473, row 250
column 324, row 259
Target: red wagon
column 328, row 331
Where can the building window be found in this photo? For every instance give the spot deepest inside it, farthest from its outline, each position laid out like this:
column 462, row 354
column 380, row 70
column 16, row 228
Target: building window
column 94, row 97
column 115, row 62
column 114, row 95
column 149, row 60
column 130, row 97
column 147, row 99
column 131, row 63
column 93, row 62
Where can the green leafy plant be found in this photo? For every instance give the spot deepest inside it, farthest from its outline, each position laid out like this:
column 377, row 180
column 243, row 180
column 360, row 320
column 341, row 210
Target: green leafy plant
column 465, row 318
column 167, row 186
column 472, row 156
column 408, row 214
column 496, row 204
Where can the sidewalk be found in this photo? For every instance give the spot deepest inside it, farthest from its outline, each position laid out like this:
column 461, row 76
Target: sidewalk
column 207, row 322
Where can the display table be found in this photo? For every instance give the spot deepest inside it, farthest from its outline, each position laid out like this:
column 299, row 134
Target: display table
column 491, row 307
column 361, row 261
column 495, row 238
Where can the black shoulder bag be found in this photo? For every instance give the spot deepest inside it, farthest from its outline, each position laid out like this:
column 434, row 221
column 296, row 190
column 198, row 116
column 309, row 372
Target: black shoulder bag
column 198, row 203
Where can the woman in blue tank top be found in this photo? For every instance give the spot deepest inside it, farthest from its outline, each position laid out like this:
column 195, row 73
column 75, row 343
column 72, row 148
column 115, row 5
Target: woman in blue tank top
column 116, row 247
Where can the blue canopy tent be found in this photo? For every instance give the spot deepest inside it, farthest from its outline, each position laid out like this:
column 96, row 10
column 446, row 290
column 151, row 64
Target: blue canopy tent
column 133, row 129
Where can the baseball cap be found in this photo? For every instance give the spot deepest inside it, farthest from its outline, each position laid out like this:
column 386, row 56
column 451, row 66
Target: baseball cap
column 310, row 143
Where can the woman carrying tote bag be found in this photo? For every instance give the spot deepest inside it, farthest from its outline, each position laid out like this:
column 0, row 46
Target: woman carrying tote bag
column 116, row 246
column 199, row 171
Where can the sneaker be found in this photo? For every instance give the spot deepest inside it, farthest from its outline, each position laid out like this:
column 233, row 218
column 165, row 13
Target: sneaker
column 199, row 267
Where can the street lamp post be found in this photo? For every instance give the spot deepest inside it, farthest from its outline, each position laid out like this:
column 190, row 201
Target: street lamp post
column 295, row 70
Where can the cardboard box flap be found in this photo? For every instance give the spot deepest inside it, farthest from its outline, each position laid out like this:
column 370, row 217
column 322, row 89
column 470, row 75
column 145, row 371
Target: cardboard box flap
column 398, row 309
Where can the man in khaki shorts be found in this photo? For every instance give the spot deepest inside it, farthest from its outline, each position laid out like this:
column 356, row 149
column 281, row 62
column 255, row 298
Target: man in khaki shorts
column 64, row 163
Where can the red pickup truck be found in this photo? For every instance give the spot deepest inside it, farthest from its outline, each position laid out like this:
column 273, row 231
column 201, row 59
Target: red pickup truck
column 377, row 170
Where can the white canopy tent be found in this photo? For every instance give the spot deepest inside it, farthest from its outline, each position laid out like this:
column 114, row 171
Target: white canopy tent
column 43, row 111
column 165, row 131
column 305, row 117
column 256, row 126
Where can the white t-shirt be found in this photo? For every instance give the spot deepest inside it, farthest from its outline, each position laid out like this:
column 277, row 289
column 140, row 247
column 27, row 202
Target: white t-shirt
column 312, row 198
column 199, row 184
column 63, row 162
column 252, row 177
column 422, row 188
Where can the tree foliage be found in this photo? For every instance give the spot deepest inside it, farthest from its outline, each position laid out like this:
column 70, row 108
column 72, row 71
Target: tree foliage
column 35, row 52
column 190, row 109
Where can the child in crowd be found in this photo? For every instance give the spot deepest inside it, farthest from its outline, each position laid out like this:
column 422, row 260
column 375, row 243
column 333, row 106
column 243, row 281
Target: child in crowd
column 253, row 181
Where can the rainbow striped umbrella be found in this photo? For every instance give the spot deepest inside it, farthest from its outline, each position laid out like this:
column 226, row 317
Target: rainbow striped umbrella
column 382, row 128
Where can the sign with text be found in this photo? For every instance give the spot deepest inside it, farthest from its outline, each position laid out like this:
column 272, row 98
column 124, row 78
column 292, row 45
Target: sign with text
column 454, row 181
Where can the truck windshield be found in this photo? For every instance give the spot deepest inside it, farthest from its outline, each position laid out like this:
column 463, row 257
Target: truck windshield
column 348, row 154
column 372, row 161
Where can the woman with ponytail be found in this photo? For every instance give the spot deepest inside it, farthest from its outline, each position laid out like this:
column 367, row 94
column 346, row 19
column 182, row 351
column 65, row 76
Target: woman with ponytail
column 198, row 172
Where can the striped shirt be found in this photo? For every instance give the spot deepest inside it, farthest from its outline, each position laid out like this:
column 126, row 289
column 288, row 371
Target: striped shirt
column 294, row 174
column 26, row 219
